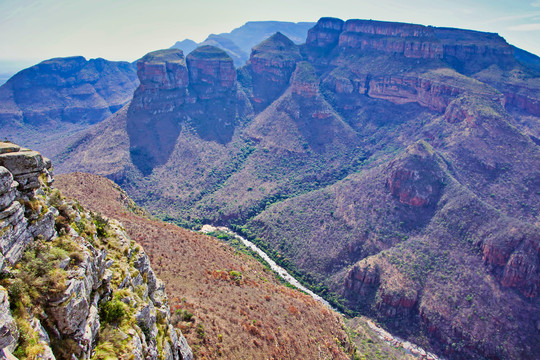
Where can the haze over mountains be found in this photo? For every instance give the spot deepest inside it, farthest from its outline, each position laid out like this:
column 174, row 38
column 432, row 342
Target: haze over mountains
column 238, row 42
column 55, row 98
column 394, row 167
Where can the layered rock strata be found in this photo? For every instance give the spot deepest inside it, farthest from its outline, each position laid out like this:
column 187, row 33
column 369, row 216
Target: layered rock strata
column 22, row 216
column 272, row 63
column 199, row 91
column 468, row 50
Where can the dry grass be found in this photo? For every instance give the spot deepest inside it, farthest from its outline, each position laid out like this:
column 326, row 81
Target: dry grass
column 253, row 318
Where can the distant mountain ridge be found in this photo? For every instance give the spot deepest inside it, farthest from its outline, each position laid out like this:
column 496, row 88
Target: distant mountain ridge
column 63, row 95
column 238, row 42
column 394, row 167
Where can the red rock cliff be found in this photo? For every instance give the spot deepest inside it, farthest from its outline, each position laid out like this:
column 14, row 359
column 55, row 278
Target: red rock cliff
column 325, row 34
column 163, row 70
column 272, row 63
column 414, row 41
column 211, row 72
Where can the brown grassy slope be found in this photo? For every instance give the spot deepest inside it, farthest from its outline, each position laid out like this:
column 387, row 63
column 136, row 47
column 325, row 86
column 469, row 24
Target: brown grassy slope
column 254, row 318
column 446, row 266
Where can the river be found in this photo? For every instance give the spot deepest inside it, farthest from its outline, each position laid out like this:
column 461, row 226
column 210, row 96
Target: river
column 395, row 341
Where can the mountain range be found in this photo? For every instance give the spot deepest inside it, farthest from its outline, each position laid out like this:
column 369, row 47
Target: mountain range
column 41, row 105
column 394, row 168
column 238, row 43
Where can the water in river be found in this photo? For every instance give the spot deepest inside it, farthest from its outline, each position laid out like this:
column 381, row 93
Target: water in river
column 383, row 334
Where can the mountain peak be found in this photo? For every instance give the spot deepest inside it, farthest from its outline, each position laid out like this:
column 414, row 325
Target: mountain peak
column 164, row 56
column 209, row 52
column 276, row 42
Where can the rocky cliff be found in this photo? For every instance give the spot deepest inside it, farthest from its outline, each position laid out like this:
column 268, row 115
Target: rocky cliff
column 271, row 65
column 469, row 51
column 74, row 285
column 198, row 92
column 401, row 178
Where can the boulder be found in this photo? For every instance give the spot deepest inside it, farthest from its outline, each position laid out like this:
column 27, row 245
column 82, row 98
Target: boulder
column 22, row 162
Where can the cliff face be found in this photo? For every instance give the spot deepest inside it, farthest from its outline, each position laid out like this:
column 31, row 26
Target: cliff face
column 200, row 92
column 211, row 72
column 468, row 51
column 325, row 34
column 413, row 41
column 74, row 283
column 162, row 70
column 271, row 65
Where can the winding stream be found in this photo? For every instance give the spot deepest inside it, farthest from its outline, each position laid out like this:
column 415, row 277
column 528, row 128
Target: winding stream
column 383, row 334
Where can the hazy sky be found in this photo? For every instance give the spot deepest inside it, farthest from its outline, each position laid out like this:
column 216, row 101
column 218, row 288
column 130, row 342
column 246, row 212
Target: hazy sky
column 34, row 30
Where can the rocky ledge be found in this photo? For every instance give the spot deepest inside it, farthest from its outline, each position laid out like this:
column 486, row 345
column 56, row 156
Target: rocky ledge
column 466, row 50
column 73, row 284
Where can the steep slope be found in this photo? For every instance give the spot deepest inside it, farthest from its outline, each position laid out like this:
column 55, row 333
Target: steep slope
column 73, row 284
column 249, row 317
column 46, row 102
column 372, row 143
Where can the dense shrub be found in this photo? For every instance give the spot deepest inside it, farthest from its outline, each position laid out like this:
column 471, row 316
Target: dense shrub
column 112, row 311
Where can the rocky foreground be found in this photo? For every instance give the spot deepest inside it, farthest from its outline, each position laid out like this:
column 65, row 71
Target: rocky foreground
column 73, row 284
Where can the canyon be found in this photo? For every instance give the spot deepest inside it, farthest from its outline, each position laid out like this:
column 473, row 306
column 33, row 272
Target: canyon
column 391, row 167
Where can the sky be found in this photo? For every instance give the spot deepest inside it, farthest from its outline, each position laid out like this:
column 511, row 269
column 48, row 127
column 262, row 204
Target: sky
column 35, row 30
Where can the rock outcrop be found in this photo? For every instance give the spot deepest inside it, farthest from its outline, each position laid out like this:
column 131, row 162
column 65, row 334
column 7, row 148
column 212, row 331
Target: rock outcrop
column 416, row 179
column 162, row 70
column 468, row 51
column 23, row 220
column 271, row 64
column 410, row 40
column 325, row 34
column 9, row 335
column 211, row 72
column 77, row 283
column 530, row 104
column 200, row 91
column 305, row 83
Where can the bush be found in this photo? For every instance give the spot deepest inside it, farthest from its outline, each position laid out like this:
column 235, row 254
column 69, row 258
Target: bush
column 200, row 331
column 236, row 276
column 182, row 315
column 112, row 311
column 102, row 225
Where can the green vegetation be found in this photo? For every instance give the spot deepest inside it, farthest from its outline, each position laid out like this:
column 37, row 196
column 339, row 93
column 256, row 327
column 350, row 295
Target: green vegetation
column 37, row 277
column 209, row 52
column 112, row 311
